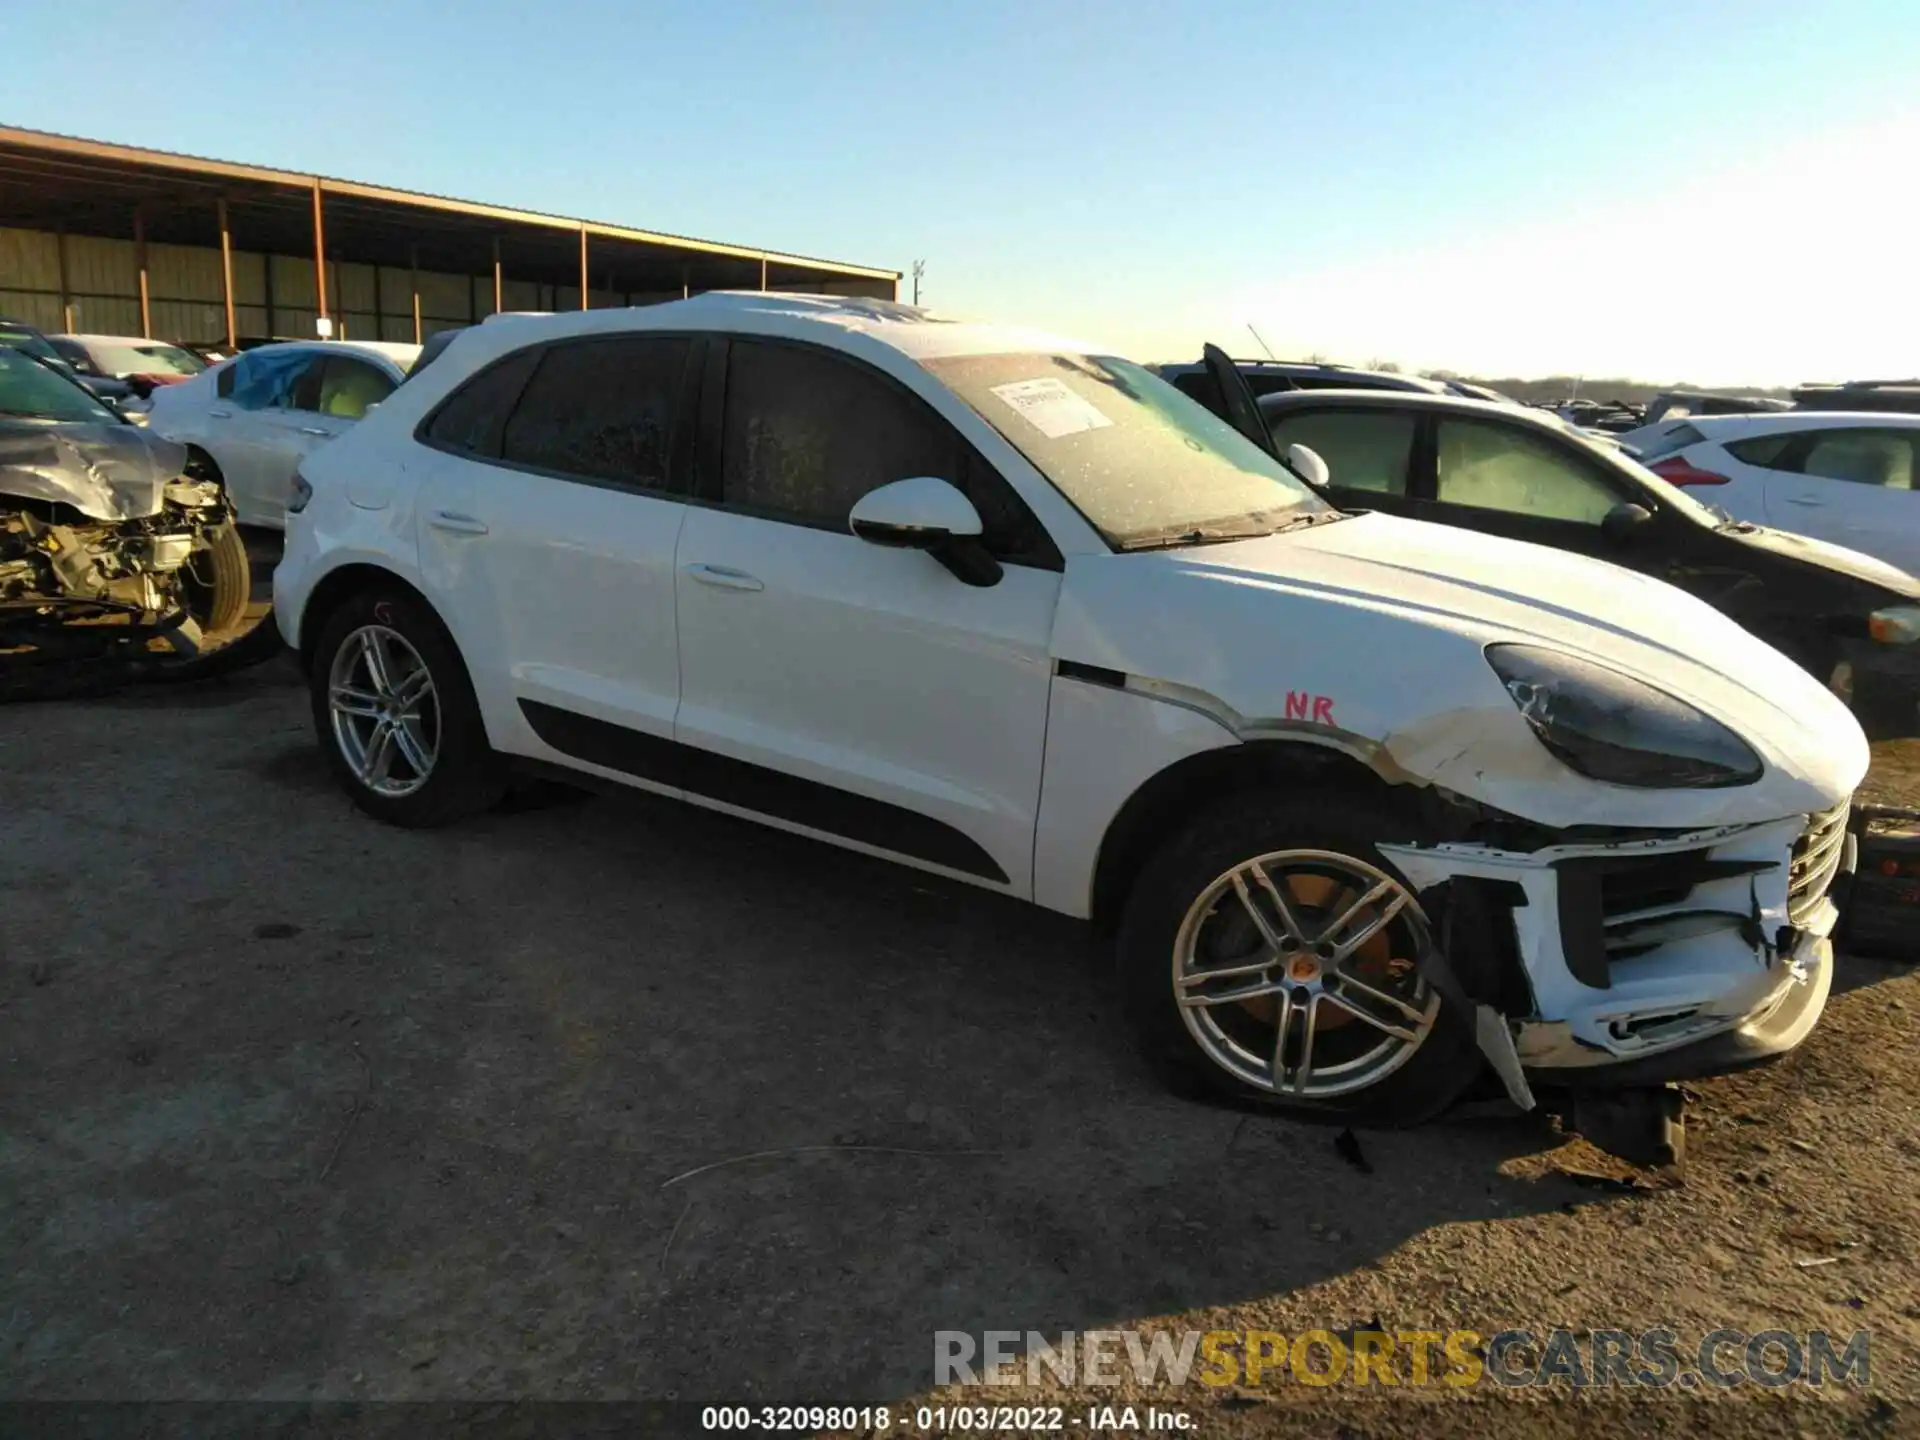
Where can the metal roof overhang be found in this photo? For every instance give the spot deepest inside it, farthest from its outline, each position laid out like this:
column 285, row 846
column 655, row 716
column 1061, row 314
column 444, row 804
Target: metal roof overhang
column 91, row 187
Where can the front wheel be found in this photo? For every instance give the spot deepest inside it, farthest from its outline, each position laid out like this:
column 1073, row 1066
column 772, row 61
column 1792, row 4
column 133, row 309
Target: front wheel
column 1270, row 953
column 395, row 713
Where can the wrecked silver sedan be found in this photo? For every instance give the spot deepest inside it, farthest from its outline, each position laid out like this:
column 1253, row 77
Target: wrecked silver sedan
column 112, row 561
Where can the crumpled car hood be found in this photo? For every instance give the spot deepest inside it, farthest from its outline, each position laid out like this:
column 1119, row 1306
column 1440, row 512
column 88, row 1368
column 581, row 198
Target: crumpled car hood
column 105, row 470
column 1368, row 632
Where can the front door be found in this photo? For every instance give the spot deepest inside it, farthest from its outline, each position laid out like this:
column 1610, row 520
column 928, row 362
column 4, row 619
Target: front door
column 547, row 516
column 854, row 691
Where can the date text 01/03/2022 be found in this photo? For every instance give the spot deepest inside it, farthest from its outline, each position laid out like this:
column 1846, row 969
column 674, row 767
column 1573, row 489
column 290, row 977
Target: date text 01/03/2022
column 947, row 1419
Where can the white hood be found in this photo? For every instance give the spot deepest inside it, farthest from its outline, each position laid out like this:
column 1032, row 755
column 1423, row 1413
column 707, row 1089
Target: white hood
column 1386, row 620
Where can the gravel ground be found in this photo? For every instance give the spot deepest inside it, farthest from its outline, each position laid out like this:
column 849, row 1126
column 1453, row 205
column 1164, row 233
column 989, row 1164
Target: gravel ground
column 295, row 1107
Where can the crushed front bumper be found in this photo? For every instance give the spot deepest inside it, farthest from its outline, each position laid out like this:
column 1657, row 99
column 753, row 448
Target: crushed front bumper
column 1643, row 961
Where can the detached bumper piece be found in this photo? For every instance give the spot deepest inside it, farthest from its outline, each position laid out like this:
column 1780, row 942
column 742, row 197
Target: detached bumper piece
column 1619, row 969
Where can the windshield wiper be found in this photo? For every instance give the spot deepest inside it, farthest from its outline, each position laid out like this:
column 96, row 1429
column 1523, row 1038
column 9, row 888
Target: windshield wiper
column 1222, row 534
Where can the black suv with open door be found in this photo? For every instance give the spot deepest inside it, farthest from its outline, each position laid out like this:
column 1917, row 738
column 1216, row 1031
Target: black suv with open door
column 1527, row 475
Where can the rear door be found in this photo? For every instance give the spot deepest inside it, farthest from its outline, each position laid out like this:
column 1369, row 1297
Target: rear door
column 1852, row 485
column 252, row 422
column 550, row 499
column 1369, row 450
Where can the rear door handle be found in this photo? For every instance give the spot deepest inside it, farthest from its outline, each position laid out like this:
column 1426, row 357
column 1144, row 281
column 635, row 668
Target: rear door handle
column 319, row 430
column 1803, row 500
column 458, row 524
column 219, row 414
column 723, row 577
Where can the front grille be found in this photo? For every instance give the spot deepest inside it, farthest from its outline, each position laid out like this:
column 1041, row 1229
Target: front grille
column 1816, row 860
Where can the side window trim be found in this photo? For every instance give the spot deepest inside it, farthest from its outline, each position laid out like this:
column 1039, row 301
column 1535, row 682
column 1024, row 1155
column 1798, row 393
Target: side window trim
column 679, row 449
column 967, row 460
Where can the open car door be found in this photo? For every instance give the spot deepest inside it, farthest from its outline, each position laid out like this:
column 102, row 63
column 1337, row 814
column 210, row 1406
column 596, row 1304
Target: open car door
column 1238, row 407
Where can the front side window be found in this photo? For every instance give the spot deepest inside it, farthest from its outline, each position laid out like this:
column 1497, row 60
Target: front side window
column 601, row 410
column 1498, row 467
column 1146, row 464
column 1364, row 450
column 350, row 388
column 267, row 379
column 806, row 435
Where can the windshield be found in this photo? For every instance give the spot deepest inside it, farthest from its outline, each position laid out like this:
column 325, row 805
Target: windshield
column 1145, row 464
column 26, row 341
column 29, row 389
column 121, row 359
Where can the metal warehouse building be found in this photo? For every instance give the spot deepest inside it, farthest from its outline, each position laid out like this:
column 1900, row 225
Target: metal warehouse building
column 111, row 239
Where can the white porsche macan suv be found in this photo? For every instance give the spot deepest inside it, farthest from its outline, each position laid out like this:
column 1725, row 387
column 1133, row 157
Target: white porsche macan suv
column 1371, row 804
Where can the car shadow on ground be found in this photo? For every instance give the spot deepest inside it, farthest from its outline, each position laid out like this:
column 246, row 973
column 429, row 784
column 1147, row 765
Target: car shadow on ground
column 616, row 1099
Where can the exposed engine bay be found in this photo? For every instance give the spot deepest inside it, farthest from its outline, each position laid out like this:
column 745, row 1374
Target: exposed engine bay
column 106, row 549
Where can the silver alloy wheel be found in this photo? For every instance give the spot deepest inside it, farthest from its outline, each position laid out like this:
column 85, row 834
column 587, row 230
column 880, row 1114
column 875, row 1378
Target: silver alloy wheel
column 386, row 715
column 1296, row 972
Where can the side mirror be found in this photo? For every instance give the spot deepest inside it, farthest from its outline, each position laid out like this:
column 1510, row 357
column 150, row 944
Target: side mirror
column 1622, row 520
column 1307, row 462
column 927, row 513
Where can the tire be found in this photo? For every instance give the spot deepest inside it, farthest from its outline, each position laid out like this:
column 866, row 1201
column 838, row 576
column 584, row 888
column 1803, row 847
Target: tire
column 1407, row 1084
column 465, row 776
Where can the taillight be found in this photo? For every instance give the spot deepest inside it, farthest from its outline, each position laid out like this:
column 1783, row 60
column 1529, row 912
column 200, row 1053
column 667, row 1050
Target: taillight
column 1677, row 471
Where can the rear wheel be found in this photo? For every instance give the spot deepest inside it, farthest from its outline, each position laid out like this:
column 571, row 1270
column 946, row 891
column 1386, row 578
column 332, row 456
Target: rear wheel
column 396, row 715
column 1270, row 953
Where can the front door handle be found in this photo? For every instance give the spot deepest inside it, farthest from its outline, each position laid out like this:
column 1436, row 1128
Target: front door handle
column 455, row 522
column 319, row 430
column 1804, row 500
column 723, row 577
column 219, row 414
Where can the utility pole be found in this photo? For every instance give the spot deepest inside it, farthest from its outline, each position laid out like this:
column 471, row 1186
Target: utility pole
column 919, row 269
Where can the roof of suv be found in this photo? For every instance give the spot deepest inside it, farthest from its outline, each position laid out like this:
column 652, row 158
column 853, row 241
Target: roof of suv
column 918, row 334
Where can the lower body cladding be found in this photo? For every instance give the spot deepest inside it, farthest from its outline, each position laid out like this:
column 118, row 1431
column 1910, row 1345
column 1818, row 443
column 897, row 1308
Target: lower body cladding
column 1600, row 969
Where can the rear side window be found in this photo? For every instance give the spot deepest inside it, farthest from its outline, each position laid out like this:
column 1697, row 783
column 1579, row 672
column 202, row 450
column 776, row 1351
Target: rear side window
column 1364, row 450
column 470, row 420
column 266, row 380
column 1766, row 451
column 1668, row 441
column 601, row 410
column 1883, row 458
column 350, row 388
column 806, row 435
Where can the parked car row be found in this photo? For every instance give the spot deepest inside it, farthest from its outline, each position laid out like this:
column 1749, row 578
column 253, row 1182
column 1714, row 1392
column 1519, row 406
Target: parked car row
column 1379, row 796
column 1374, row 807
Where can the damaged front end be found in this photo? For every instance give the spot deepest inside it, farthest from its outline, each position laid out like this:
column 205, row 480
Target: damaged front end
column 1602, row 970
column 108, row 552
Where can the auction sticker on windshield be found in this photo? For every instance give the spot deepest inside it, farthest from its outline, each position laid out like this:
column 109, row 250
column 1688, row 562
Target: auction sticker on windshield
column 1051, row 408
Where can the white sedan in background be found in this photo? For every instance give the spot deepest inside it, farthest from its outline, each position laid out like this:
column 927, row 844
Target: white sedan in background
column 1844, row 478
column 250, row 421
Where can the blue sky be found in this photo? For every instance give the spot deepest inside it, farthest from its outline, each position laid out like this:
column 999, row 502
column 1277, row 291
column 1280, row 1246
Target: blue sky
column 1718, row 192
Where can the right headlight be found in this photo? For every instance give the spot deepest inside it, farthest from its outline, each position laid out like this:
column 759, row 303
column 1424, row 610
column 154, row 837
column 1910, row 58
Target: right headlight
column 1612, row 727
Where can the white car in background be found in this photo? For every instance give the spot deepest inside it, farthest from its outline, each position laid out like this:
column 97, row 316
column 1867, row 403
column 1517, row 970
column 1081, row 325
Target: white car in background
column 145, row 364
column 1848, row 479
column 250, row 421
column 1366, row 811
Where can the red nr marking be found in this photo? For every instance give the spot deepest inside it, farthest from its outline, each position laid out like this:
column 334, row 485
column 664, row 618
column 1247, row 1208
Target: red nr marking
column 1304, row 705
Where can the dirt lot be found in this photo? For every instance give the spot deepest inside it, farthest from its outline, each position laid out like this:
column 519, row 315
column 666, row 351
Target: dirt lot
column 295, row 1107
